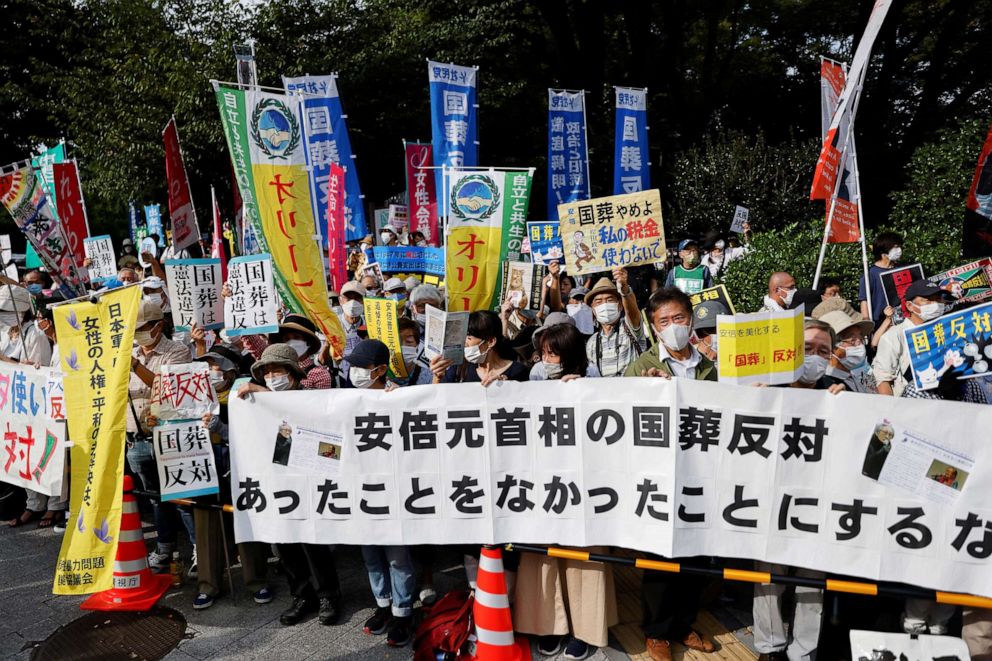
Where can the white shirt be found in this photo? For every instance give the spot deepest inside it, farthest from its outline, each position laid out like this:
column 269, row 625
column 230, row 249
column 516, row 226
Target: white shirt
column 583, row 318
column 771, row 305
column 35, row 347
column 685, row 369
column 892, row 359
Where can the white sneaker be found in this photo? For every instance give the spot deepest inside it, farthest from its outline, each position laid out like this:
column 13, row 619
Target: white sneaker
column 193, row 568
column 159, row 561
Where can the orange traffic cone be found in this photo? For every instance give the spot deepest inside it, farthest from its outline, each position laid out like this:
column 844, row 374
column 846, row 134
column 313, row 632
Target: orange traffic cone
column 136, row 588
column 493, row 625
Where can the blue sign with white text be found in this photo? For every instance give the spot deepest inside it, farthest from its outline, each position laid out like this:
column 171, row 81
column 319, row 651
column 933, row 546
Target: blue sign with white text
column 631, row 171
column 410, row 259
column 454, row 119
column 568, row 162
column 960, row 342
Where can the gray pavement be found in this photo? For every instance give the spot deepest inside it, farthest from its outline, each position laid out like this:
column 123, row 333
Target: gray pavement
column 29, row 612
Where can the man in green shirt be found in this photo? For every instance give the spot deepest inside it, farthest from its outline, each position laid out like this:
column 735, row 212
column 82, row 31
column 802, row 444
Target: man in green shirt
column 690, row 276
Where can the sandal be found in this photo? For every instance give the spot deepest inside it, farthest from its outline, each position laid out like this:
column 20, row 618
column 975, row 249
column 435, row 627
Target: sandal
column 26, row 517
column 49, row 519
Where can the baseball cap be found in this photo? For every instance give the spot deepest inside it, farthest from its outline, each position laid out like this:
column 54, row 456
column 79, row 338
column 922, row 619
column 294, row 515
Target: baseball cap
column 394, row 285
column 368, row 353
column 704, row 315
column 354, row 287
column 148, row 311
column 685, row 243
column 923, row 288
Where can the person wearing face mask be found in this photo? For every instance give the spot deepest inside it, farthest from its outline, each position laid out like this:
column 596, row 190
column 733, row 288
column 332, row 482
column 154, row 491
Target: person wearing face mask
column 153, row 289
column 561, row 351
column 891, row 366
column 310, row 568
column 781, row 291
column 690, row 276
column 372, row 285
column 620, row 338
column 580, row 312
column 717, row 255
column 34, row 282
column 129, row 257
column 20, row 339
column 390, row 568
column 389, row 236
column 420, row 298
column 152, row 350
column 352, row 319
column 223, row 362
column 671, row 601
column 417, row 239
column 887, row 252
column 704, row 328
column 301, row 334
column 395, row 290
column 488, row 355
column 849, row 362
column 418, row 368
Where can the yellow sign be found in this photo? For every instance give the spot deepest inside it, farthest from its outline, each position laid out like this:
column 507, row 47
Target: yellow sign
column 610, row 232
column 763, row 347
column 95, row 348
column 382, row 321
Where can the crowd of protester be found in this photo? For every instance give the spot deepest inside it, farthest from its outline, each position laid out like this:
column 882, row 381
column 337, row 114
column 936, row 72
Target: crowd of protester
column 637, row 323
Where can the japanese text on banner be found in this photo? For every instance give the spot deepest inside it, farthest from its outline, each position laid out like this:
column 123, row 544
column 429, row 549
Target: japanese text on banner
column 185, row 460
column 251, row 307
column 33, row 452
column 631, row 160
column 382, row 322
column 958, row 342
column 194, row 293
column 568, row 162
column 762, row 347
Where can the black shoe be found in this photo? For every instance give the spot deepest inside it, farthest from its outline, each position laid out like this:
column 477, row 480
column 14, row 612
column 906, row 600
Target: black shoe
column 376, row 625
column 327, row 613
column 400, row 632
column 300, row 608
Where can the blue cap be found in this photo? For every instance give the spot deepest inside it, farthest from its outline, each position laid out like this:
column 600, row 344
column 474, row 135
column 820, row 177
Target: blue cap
column 368, row 354
column 684, row 243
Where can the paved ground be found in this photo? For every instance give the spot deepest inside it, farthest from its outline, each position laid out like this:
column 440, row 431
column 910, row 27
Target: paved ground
column 29, row 613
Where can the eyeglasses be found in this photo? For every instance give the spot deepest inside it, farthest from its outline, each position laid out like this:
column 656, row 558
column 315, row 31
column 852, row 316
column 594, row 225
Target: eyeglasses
column 856, row 341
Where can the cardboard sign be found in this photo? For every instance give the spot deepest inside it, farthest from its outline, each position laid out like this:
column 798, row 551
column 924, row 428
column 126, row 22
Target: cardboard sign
column 970, row 283
column 762, row 347
column 740, row 219
column 895, row 283
column 185, row 460
column 717, row 293
column 251, row 308
column 100, row 249
column 194, row 293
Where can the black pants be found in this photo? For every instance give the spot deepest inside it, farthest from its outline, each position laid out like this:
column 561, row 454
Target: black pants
column 670, row 603
column 310, row 570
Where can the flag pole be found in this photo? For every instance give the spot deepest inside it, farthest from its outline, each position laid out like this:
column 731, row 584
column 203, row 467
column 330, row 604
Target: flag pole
column 861, row 228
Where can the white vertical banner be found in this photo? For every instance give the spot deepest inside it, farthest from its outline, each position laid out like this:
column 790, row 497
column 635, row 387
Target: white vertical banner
column 194, row 293
column 251, row 308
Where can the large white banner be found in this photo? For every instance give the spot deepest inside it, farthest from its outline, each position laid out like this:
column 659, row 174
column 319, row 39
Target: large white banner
column 33, row 451
column 865, row 485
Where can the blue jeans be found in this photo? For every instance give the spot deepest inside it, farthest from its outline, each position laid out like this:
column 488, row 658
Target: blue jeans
column 391, row 577
column 141, row 459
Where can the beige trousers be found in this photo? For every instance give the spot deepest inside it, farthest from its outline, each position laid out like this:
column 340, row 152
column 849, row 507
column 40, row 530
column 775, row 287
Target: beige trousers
column 555, row 596
column 977, row 632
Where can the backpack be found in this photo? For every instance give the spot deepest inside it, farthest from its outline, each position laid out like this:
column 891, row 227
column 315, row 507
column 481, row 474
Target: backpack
column 446, row 628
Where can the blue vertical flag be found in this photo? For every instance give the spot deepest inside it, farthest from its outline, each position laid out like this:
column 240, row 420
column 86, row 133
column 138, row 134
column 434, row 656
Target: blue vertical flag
column 454, row 119
column 568, row 154
column 133, row 222
column 153, row 218
column 631, row 162
column 325, row 135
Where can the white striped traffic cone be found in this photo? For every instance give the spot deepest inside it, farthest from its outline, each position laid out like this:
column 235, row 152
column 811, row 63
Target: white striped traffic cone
column 136, row 588
column 493, row 624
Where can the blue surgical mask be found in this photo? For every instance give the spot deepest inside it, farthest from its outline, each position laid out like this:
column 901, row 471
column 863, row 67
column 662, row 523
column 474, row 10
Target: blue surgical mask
column 35, row 289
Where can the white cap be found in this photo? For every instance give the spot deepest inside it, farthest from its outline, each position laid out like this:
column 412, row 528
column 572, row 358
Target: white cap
column 394, row 284
column 152, row 282
column 14, row 297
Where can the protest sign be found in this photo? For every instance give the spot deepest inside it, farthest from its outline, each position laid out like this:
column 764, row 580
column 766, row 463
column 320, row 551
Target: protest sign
column 7, row 265
column 44, row 166
column 895, row 283
column 374, row 270
column 717, row 293
column 337, row 247
column 103, row 262
column 381, row 219
column 959, row 341
column 610, row 232
column 398, row 217
column 740, row 219
column 33, row 439
column 970, row 283
column 487, row 216
column 883, row 646
column 194, row 293
column 251, row 307
column 421, row 190
column 677, row 468
column 410, row 259
column 382, row 322
column 445, row 335
column 761, row 347
column 545, row 242
column 153, row 221
column 568, row 153
column 522, row 283
column 146, row 245
column 185, row 460
column 454, row 120
column 55, row 395
column 185, row 230
column 631, row 159
column 183, row 392
column 265, row 142
column 95, row 341
column 70, row 206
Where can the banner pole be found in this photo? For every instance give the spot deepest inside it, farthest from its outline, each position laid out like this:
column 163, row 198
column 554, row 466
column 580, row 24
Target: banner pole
column 861, row 227
column 92, row 296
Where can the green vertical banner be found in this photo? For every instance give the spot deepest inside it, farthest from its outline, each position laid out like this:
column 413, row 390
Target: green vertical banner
column 42, row 163
column 517, row 189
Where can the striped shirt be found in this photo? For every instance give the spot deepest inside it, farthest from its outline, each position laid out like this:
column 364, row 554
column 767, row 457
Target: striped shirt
column 611, row 354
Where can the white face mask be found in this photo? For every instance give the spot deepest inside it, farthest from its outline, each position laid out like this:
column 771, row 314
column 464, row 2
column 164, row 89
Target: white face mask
column 789, row 295
column 474, row 354
column 409, row 356
column 931, row 310
column 420, row 318
column 573, row 309
column 421, row 243
column 217, row 379
column 353, row 308
column 386, row 236
column 552, row 371
column 299, row 346
column 676, row 336
column 154, row 298
column 277, row 382
column 144, row 338
column 361, row 377
column 814, row 367
column 607, row 313
column 854, row 357
column 895, row 254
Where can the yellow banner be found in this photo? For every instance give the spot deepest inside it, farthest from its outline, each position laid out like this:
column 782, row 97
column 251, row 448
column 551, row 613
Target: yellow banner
column 609, row 232
column 288, row 224
column 473, row 268
column 95, row 348
column 382, row 321
column 763, row 347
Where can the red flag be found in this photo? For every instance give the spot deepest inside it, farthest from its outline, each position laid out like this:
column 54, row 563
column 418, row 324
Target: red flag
column 842, row 208
column 185, row 231
column 980, row 193
column 337, row 256
column 421, row 190
column 217, row 246
column 70, row 207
